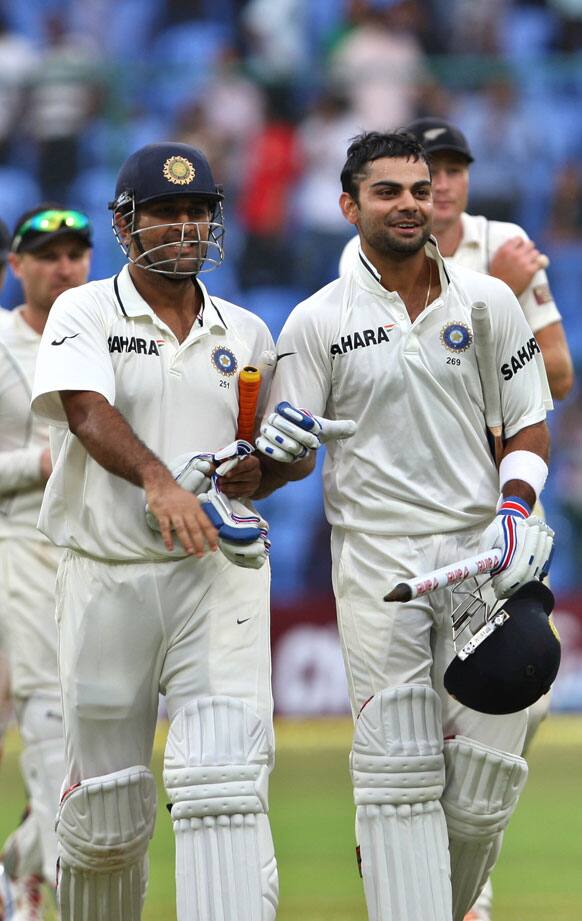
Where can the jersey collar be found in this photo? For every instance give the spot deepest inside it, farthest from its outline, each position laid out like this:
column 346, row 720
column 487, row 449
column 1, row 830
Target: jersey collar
column 368, row 276
column 130, row 303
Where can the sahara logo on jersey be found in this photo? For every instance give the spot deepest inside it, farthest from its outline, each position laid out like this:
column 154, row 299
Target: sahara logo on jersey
column 135, row 344
column 520, row 359
column 360, row 340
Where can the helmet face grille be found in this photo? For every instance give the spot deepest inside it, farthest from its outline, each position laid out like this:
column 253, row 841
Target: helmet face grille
column 199, row 247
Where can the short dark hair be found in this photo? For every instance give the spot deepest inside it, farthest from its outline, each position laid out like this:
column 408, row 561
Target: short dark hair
column 373, row 145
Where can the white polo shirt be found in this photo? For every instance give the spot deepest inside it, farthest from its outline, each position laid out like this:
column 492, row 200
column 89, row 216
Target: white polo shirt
column 480, row 241
column 419, row 462
column 177, row 397
column 23, row 438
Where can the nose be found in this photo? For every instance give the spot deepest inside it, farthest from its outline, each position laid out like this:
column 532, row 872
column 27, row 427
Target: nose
column 439, row 179
column 407, row 201
column 65, row 265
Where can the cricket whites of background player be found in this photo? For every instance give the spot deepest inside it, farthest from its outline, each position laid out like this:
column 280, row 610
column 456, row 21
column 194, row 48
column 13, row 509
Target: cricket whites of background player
column 48, row 257
column 503, row 250
column 389, row 344
column 144, row 374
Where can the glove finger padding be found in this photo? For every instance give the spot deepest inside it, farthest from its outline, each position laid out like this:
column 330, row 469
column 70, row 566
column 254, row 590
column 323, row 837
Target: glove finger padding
column 289, row 433
column 242, row 534
column 278, row 441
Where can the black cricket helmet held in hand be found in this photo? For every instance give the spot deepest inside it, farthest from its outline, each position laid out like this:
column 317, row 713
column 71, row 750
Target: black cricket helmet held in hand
column 517, row 663
column 169, row 170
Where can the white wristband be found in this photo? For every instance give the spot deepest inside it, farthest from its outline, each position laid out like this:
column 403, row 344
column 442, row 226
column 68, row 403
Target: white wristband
column 526, row 466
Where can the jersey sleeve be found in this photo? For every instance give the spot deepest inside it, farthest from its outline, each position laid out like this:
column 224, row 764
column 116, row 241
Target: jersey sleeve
column 303, row 373
column 19, row 459
column 20, row 469
column 73, row 355
column 525, row 393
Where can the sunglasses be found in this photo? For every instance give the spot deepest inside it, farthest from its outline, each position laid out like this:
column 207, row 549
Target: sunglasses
column 51, row 220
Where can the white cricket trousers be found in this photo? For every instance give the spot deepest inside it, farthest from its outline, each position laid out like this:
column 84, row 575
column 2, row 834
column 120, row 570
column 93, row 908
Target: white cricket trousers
column 389, row 645
column 127, row 631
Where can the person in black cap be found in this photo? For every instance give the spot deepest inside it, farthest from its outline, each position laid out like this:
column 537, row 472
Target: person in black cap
column 141, row 372
column 50, row 253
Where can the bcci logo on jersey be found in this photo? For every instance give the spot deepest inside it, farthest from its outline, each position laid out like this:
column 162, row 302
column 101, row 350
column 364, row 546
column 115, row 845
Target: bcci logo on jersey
column 224, row 361
column 456, row 336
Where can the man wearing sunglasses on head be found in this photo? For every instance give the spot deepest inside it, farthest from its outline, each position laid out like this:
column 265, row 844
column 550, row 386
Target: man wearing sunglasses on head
column 49, row 253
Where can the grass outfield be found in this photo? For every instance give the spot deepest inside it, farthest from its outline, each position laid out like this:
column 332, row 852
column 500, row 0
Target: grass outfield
column 538, row 877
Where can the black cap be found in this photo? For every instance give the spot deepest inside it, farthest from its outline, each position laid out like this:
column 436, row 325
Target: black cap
column 4, row 243
column 164, row 170
column 53, row 221
column 517, row 663
column 435, row 134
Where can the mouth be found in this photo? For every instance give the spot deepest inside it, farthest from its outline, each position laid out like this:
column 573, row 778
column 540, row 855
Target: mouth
column 184, row 244
column 407, row 227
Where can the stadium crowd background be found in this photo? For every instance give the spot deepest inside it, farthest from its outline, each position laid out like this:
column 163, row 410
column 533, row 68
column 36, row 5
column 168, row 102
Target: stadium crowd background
column 272, row 90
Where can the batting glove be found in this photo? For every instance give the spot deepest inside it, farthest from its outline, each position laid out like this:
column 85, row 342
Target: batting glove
column 525, row 542
column 289, row 433
column 193, row 472
column 242, row 534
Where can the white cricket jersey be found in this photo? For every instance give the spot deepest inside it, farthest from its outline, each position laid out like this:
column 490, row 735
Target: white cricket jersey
column 419, row 462
column 177, row 397
column 23, row 438
column 480, row 241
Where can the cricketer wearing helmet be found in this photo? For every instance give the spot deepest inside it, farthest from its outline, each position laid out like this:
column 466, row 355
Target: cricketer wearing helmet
column 411, row 487
column 164, row 581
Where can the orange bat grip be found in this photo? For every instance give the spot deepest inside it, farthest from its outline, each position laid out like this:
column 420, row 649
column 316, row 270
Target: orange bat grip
column 249, row 383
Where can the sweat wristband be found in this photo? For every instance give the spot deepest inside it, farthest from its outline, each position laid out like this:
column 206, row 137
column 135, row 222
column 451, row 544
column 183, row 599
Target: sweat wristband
column 526, row 466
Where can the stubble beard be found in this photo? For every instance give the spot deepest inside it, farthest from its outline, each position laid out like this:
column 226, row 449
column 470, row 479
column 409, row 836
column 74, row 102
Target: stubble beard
column 386, row 244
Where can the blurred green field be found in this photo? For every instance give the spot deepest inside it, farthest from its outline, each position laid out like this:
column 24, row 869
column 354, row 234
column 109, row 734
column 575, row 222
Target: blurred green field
column 539, row 877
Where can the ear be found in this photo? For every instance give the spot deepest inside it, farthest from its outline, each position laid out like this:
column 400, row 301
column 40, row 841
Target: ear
column 14, row 261
column 349, row 208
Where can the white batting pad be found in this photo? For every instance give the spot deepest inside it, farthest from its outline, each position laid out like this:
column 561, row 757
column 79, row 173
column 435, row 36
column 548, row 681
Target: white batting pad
column 483, row 786
column 398, row 773
column 43, row 769
column 104, row 827
column 21, row 853
column 216, row 769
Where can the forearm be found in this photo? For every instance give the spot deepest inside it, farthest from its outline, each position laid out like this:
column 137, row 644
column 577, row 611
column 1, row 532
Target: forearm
column 20, row 469
column 535, row 439
column 557, row 359
column 275, row 474
column 110, row 440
